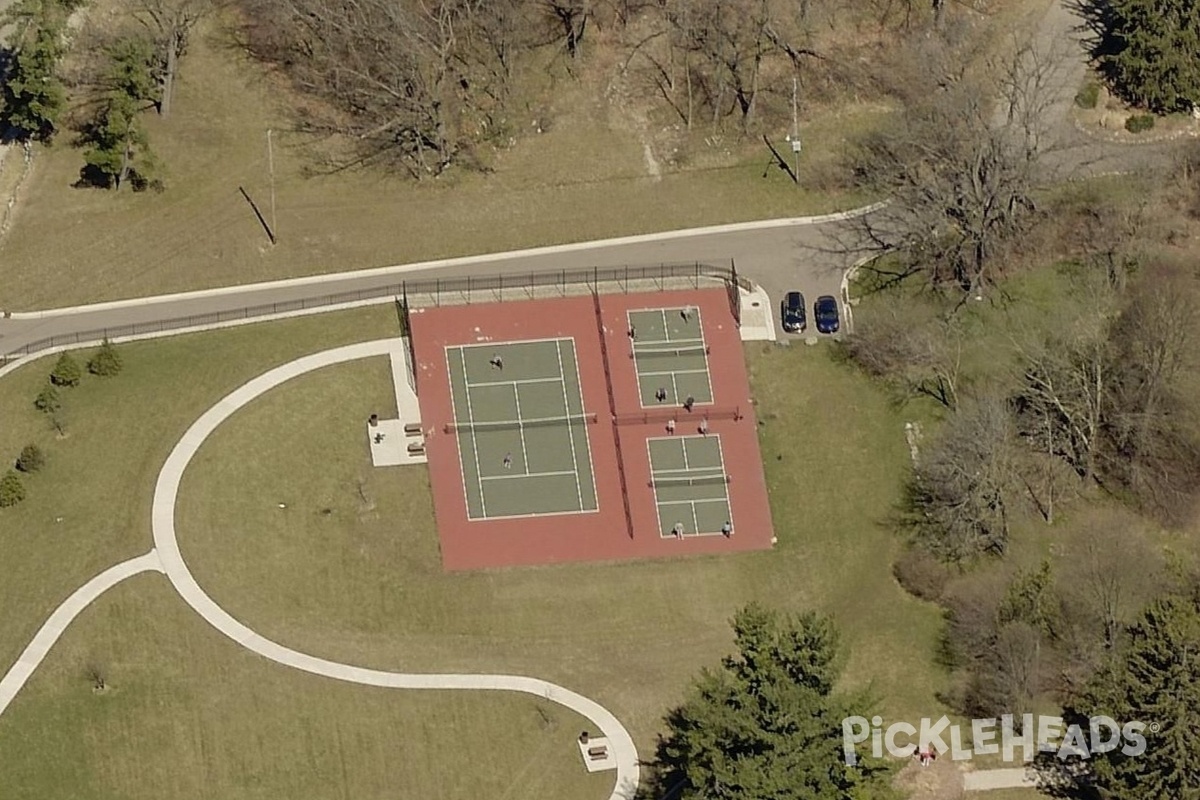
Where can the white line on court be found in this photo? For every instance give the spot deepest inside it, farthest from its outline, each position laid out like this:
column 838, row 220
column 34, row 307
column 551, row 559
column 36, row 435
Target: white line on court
column 518, row 382
column 562, row 380
column 462, row 357
column 521, row 428
column 519, row 475
column 674, row 372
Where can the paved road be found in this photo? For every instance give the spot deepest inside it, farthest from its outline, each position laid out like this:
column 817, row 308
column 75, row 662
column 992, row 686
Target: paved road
column 780, row 255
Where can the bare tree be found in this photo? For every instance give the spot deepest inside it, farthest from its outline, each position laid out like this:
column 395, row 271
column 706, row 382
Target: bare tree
column 570, row 18
column 719, row 56
column 1154, row 428
column 1109, row 571
column 398, row 80
column 961, row 172
column 919, row 353
column 1065, row 397
column 964, row 489
column 170, row 23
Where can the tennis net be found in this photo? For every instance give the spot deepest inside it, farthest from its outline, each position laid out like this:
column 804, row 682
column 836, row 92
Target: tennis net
column 665, row 414
column 693, row 480
column 516, row 424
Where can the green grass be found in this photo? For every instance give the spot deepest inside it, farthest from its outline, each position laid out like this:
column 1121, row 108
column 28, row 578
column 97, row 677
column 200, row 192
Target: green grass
column 350, row 570
column 189, row 714
column 90, row 506
column 359, row 580
column 584, row 179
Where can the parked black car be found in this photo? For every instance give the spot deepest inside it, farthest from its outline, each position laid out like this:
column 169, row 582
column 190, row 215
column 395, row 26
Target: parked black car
column 791, row 313
column 825, row 312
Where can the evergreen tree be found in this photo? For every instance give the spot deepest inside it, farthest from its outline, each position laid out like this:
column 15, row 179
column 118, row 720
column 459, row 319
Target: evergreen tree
column 1155, row 681
column 1149, row 50
column 48, row 400
column 118, row 148
column 31, row 459
column 12, row 491
column 66, row 371
column 34, row 97
column 106, row 362
column 767, row 724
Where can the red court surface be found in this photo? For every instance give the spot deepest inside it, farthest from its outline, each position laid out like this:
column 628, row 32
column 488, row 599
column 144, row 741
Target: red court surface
column 604, row 534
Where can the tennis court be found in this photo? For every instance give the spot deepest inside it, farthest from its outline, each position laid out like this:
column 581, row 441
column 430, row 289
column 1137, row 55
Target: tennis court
column 670, row 356
column 691, row 487
column 521, row 429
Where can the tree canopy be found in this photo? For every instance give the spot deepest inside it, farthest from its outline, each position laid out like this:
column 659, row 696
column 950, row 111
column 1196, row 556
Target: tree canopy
column 767, row 724
column 1155, row 681
column 1147, row 50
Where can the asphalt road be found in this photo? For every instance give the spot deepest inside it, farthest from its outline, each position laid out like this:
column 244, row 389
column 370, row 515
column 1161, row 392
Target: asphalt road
column 782, row 257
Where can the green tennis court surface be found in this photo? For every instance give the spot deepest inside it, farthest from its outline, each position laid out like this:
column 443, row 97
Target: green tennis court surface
column 521, row 429
column 691, row 487
column 670, row 355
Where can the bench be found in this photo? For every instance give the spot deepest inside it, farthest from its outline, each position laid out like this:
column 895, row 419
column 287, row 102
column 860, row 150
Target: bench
column 597, row 753
column 412, row 429
column 416, row 448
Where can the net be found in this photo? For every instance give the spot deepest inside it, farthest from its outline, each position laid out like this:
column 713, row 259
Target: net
column 516, row 424
column 671, row 352
column 668, row 413
column 695, row 480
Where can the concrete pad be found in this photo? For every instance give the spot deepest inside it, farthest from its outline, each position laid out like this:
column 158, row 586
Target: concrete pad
column 758, row 325
column 597, row 764
column 393, row 451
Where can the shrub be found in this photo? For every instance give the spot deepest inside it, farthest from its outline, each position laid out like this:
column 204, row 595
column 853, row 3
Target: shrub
column 12, row 491
column 921, row 574
column 106, row 361
column 1088, row 96
column 31, row 459
column 66, row 371
column 47, row 400
column 1139, row 122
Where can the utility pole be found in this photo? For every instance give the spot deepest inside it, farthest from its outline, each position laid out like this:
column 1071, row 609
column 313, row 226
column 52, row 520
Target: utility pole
column 795, row 139
column 271, row 170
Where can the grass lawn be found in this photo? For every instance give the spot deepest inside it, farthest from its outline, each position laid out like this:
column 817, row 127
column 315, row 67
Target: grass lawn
column 188, row 714
column 90, row 507
column 350, row 570
column 355, row 575
column 585, row 178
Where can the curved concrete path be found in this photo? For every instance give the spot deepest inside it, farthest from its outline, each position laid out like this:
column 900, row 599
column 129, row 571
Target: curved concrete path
column 167, row 546
column 54, row 627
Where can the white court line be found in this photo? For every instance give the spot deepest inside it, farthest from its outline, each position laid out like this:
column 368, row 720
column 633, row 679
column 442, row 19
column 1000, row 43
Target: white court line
column 651, row 345
column 587, row 436
column 703, row 472
column 718, row 471
column 518, row 382
column 654, row 490
column 539, row 514
column 528, row 475
column 508, row 342
column 725, row 486
column 462, row 359
column 562, row 380
column 521, row 428
column 674, row 372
